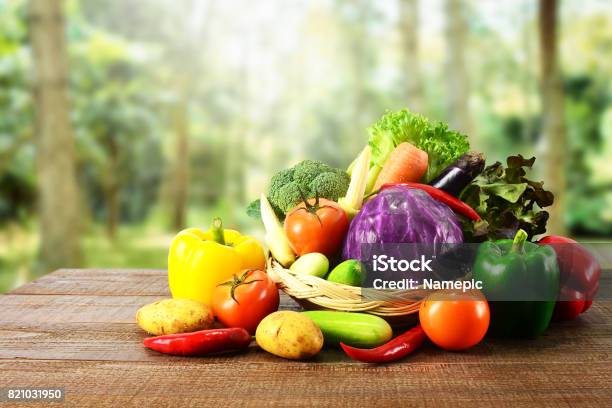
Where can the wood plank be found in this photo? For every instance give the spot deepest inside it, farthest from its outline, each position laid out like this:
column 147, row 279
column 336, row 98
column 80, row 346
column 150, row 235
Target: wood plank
column 82, row 308
column 101, row 282
column 103, row 328
column 76, row 329
column 235, row 383
column 148, row 282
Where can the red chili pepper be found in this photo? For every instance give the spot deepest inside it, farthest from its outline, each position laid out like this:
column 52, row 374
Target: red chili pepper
column 393, row 350
column 200, row 342
column 453, row 202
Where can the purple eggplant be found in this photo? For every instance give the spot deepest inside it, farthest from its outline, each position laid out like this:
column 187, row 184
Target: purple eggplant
column 459, row 174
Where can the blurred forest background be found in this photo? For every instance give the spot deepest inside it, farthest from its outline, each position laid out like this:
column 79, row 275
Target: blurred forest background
column 123, row 121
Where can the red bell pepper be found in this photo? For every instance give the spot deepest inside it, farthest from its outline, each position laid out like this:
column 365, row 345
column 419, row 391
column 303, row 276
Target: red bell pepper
column 200, row 342
column 579, row 277
column 395, row 349
column 453, row 202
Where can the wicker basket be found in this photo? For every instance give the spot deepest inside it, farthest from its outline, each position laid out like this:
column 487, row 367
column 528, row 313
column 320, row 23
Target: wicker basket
column 399, row 308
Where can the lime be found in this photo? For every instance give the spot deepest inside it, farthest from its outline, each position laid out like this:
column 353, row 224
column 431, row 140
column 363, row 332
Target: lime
column 350, row 272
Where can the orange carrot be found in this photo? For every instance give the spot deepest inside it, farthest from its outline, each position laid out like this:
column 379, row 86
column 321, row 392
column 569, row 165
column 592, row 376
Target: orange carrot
column 406, row 163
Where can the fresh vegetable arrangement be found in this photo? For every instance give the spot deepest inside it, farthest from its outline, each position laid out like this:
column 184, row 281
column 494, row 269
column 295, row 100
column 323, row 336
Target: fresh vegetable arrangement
column 415, row 182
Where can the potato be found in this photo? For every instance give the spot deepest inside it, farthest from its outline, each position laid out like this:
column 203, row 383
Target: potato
column 290, row 335
column 170, row 316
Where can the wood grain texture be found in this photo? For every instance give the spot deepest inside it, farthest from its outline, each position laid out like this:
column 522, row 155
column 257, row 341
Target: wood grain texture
column 76, row 329
column 233, row 383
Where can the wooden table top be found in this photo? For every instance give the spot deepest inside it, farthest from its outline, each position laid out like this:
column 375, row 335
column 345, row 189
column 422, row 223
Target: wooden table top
column 75, row 329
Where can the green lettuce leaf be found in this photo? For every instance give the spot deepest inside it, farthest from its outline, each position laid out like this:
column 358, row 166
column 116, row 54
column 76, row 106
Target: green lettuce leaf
column 442, row 145
column 506, row 200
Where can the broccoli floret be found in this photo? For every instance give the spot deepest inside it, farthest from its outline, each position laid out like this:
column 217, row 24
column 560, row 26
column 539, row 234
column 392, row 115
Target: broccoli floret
column 288, row 196
column 331, row 185
column 311, row 177
column 306, row 171
column 281, row 178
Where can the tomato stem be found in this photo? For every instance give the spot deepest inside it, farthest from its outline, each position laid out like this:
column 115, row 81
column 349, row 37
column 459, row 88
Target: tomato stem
column 312, row 208
column 238, row 281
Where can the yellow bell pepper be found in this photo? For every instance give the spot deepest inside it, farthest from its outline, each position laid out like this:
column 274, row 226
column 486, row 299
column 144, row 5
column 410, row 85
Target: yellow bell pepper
column 198, row 261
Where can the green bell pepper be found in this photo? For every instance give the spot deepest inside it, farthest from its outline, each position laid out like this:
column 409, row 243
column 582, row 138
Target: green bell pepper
column 516, row 269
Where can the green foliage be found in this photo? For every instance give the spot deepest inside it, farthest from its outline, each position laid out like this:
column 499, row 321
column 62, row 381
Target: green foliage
column 587, row 212
column 116, row 126
column 257, row 90
column 17, row 198
column 17, row 184
column 127, row 251
column 507, row 201
column 587, row 99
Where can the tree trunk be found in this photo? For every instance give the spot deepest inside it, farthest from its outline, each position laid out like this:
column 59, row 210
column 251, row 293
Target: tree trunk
column 456, row 74
column 112, row 187
column 57, row 187
column 553, row 124
column 179, row 189
column 409, row 30
column 112, row 211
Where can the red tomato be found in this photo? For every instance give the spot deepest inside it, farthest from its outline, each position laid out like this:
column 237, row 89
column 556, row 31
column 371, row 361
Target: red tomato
column 246, row 300
column 455, row 320
column 319, row 226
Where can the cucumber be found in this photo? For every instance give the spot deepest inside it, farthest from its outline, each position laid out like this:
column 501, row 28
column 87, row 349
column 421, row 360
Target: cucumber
column 353, row 329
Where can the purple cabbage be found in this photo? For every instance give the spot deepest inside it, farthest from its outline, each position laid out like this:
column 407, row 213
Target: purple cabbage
column 401, row 215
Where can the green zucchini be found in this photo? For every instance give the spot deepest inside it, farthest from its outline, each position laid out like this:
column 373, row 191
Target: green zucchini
column 353, row 329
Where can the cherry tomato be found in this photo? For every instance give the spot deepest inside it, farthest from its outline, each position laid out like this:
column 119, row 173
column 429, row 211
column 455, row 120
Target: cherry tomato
column 245, row 300
column 316, row 226
column 455, row 320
